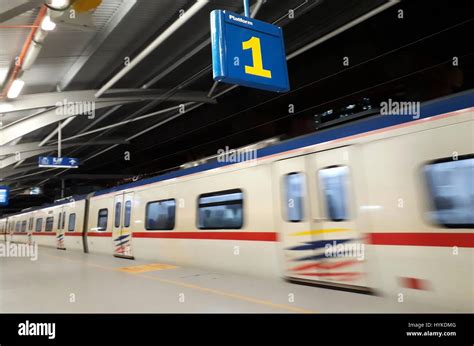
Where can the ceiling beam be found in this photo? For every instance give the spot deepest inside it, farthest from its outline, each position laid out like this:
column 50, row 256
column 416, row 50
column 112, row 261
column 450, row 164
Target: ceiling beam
column 19, row 148
column 9, row 171
column 12, row 9
column 62, row 99
column 11, row 160
column 51, row 116
column 160, row 94
column 74, row 99
column 34, row 146
column 93, row 176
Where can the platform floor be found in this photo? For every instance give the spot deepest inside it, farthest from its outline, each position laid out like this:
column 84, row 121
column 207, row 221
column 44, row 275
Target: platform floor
column 71, row 281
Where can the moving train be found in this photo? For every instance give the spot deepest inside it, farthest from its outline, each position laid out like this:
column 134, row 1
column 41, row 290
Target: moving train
column 383, row 204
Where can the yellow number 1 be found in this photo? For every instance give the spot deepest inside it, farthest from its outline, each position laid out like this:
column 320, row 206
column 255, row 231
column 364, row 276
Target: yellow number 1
column 257, row 68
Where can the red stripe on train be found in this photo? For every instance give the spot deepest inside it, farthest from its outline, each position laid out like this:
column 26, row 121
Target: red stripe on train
column 324, row 265
column 414, row 283
column 251, row 236
column 99, row 234
column 404, row 239
column 422, row 239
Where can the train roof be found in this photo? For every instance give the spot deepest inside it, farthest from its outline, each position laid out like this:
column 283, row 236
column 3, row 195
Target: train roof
column 66, row 200
column 428, row 109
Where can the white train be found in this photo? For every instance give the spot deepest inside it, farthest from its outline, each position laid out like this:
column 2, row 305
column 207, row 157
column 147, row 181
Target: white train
column 384, row 204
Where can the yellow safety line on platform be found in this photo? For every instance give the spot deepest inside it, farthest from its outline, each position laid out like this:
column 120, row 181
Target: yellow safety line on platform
column 197, row 287
column 147, row 268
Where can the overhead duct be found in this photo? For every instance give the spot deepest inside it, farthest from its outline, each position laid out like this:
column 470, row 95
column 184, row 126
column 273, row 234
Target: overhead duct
column 51, row 13
column 57, row 11
column 55, row 8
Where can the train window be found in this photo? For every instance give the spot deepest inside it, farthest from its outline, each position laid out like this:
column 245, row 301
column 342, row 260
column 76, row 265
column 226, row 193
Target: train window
column 59, row 220
column 30, row 224
column 23, row 226
column 294, row 196
column 49, row 224
column 334, row 187
column 127, row 214
column 118, row 211
column 102, row 220
column 160, row 215
column 221, row 210
column 39, row 225
column 17, row 227
column 452, row 192
column 72, row 222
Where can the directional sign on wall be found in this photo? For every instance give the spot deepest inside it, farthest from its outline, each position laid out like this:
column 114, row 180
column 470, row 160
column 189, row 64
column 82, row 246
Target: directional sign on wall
column 58, row 162
column 248, row 52
column 4, row 195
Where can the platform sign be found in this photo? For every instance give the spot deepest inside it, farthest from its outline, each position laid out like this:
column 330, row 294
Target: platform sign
column 248, row 52
column 58, row 162
column 4, row 195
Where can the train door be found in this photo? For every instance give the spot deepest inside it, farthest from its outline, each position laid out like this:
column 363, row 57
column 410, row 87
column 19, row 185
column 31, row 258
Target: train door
column 121, row 231
column 336, row 234
column 292, row 214
column 5, row 229
column 60, row 229
column 30, row 229
column 12, row 229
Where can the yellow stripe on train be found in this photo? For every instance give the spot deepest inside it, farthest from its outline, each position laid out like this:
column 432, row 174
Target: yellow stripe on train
column 321, row 231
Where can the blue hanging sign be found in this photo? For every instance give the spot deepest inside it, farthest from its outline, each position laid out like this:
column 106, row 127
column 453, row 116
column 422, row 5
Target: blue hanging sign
column 4, row 195
column 248, row 52
column 58, row 162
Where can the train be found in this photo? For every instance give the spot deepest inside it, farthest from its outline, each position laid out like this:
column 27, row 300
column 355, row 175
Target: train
column 381, row 205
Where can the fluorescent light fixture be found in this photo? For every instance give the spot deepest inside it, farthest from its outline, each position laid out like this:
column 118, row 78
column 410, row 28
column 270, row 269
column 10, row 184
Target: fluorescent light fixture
column 47, row 24
column 15, row 88
column 59, row 4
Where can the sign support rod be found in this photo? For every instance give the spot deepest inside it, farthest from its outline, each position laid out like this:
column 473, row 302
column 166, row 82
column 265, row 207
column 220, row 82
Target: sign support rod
column 246, row 8
column 59, row 139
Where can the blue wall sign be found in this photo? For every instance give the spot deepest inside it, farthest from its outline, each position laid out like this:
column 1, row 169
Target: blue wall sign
column 58, row 162
column 4, row 195
column 248, row 52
